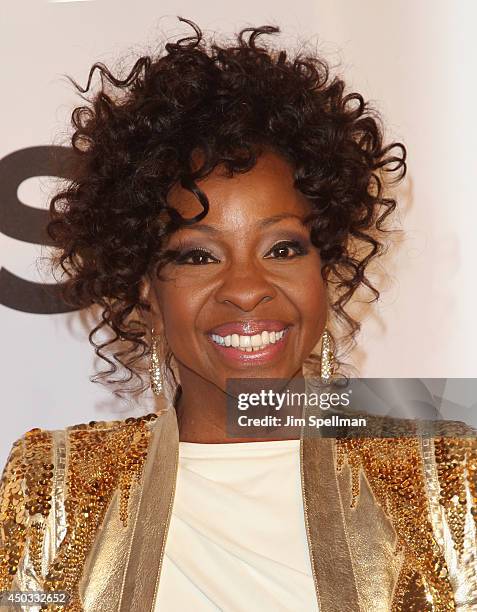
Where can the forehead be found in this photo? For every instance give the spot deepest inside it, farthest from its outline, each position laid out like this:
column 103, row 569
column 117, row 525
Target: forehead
column 264, row 191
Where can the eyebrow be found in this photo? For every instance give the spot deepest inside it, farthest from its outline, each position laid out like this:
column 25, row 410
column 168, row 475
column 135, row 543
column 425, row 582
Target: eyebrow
column 263, row 223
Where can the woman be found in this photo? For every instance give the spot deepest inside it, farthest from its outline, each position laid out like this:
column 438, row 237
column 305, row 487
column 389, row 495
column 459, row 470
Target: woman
column 227, row 204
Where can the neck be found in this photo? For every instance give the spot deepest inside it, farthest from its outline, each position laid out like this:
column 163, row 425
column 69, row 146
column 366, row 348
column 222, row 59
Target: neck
column 202, row 409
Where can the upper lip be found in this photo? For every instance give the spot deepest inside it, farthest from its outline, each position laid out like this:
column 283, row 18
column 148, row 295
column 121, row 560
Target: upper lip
column 248, row 327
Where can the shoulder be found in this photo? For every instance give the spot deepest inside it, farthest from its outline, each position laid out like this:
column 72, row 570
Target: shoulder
column 41, row 452
column 96, row 431
column 384, row 426
column 397, row 451
column 394, row 436
column 64, row 468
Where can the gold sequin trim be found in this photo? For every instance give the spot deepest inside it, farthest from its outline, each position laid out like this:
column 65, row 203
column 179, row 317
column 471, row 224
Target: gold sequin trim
column 393, row 468
column 103, row 456
column 456, row 460
column 25, row 496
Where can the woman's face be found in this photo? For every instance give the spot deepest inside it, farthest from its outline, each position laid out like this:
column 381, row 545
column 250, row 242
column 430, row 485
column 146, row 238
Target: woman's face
column 247, row 275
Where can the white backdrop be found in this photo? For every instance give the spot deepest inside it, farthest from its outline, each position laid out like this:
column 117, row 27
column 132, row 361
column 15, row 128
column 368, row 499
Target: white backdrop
column 415, row 60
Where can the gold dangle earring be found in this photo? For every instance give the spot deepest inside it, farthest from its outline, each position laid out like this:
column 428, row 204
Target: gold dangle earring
column 327, row 358
column 155, row 371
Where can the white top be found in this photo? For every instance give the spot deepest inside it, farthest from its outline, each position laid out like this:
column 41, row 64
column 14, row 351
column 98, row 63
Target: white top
column 237, row 539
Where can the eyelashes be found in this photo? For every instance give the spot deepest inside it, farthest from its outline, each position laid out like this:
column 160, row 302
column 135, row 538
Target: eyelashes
column 297, row 245
column 182, row 257
column 197, row 255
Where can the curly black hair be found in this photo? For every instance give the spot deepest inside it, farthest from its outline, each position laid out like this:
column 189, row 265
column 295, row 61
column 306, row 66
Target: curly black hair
column 134, row 140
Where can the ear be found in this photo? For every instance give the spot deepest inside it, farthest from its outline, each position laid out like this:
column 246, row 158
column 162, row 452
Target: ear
column 146, row 287
column 148, row 294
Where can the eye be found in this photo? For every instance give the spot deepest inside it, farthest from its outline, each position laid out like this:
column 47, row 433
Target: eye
column 195, row 257
column 282, row 248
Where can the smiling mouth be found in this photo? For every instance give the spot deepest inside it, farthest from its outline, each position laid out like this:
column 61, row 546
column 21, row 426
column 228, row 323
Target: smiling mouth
column 250, row 348
column 249, row 343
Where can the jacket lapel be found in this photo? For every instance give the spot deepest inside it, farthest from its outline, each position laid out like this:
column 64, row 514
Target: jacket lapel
column 144, row 564
column 329, row 551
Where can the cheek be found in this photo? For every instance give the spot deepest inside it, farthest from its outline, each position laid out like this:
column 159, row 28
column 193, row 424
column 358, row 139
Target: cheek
column 179, row 314
column 311, row 300
column 315, row 296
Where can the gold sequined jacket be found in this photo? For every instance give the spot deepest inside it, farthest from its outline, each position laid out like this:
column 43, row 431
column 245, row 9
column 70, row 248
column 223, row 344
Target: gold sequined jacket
column 390, row 522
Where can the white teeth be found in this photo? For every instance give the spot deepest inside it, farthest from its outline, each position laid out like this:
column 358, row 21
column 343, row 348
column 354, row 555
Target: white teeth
column 256, row 340
column 249, row 343
column 245, row 341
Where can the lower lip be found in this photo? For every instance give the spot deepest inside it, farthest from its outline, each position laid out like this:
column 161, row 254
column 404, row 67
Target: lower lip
column 266, row 354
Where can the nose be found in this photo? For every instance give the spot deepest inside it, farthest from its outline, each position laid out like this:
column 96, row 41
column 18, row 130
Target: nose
column 245, row 287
